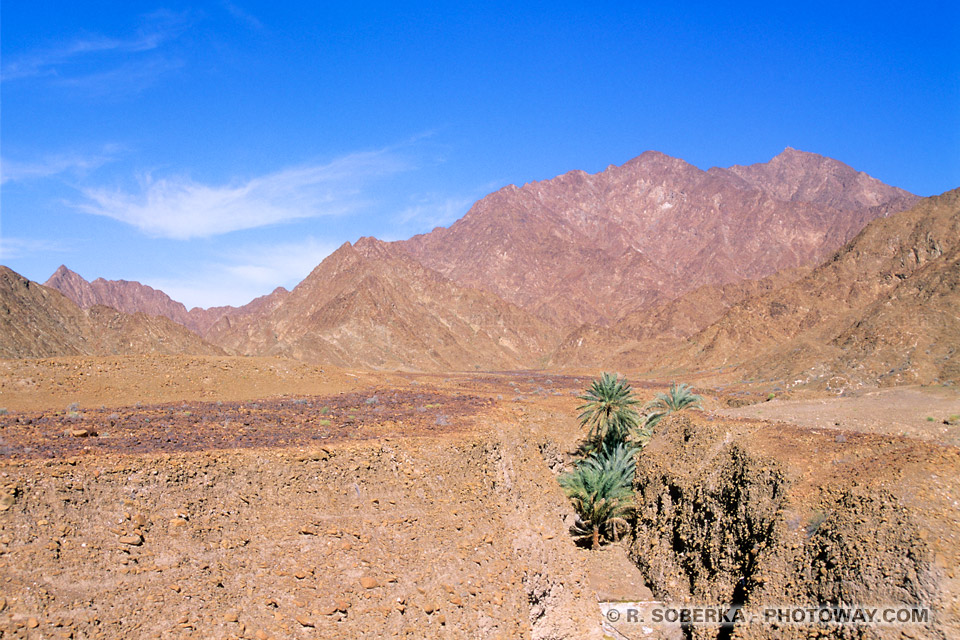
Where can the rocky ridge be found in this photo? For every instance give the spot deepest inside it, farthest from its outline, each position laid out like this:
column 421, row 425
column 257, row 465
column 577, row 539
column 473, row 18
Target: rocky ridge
column 40, row 322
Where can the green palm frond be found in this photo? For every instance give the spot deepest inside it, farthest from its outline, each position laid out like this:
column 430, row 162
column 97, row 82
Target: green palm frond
column 609, row 411
column 601, row 490
column 678, row 398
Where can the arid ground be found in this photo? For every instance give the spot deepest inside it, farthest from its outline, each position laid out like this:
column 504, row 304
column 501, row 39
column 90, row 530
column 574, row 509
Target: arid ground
column 224, row 497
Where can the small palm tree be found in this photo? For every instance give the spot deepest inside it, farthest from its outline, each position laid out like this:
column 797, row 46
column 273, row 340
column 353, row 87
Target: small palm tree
column 608, row 411
column 680, row 397
column 601, row 489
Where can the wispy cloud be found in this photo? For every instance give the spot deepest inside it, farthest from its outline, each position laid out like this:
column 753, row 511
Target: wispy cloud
column 428, row 211
column 242, row 15
column 65, row 61
column 56, row 164
column 128, row 78
column 246, row 272
column 12, row 248
column 434, row 211
column 182, row 208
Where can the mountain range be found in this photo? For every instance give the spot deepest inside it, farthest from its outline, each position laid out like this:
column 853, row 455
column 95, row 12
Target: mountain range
column 39, row 322
column 617, row 268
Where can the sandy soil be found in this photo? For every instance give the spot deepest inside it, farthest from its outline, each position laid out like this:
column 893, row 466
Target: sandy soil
column 928, row 413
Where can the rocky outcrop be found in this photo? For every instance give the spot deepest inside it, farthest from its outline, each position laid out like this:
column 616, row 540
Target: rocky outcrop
column 738, row 514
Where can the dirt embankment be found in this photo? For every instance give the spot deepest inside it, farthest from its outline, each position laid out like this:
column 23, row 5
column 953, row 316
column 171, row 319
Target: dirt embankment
column 756, row 514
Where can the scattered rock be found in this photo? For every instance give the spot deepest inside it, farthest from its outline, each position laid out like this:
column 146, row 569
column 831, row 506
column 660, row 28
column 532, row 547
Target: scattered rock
column 304, row 621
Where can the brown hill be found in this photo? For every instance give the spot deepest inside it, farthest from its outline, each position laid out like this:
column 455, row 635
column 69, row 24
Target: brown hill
column 40, row 322
column 584, row 248
column 134, row 297
column 882, row 309
column 641, row 336
column 370, row 304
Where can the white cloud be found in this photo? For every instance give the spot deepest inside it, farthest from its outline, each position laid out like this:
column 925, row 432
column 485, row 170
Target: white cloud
column 238, row 281
column 55, row 164
column 124, row 79
column 14, row 248
column 242, row 15
column 181, row 208
column 159, row 28
column 434, row 211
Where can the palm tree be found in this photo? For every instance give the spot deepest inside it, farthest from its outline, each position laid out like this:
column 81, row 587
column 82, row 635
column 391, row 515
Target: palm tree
column 608, row 411
column 680, row 397
column 601, row 489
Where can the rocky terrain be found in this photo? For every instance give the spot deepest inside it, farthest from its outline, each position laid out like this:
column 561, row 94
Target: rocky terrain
column 757, row 514
column 639, row 337
column 577, row 271
column 413, row 505
column 880, row 310
column 134, row 297
column 37, row 322
column 584, row 248
column 370, row 304
column 402, row 512
column 375, row 453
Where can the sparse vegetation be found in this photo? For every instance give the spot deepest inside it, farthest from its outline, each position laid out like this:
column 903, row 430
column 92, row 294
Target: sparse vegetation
column 608, row 412
column 3, row 412
column 678, row 398
column 601, row 489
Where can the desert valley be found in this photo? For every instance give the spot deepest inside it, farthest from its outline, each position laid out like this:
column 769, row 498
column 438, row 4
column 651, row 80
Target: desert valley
column 388, row 448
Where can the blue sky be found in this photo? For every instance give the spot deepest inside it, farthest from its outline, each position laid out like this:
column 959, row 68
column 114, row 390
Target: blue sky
column 217, row 150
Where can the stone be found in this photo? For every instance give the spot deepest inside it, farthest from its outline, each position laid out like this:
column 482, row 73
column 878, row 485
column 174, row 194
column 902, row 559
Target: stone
column 133, row 541
column 369, row 583
column 304, row 621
